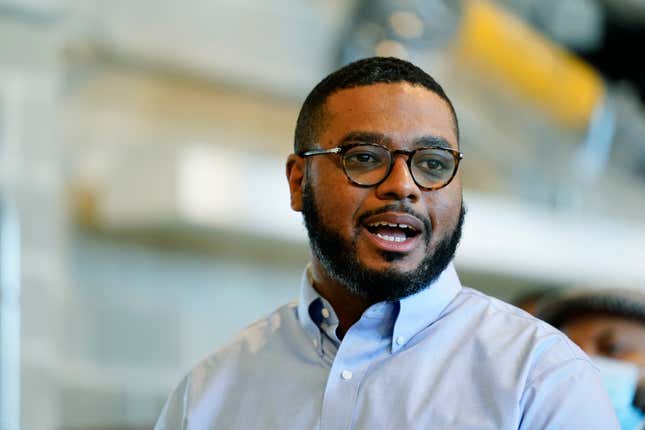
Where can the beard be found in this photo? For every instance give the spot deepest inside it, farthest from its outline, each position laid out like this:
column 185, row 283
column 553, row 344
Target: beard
column 339, row 259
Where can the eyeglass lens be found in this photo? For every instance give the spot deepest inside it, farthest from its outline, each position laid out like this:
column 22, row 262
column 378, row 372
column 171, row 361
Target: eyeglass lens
column 369, row 164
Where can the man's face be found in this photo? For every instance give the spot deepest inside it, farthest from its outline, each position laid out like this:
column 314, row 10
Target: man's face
column 350, row 226
column 608, row 336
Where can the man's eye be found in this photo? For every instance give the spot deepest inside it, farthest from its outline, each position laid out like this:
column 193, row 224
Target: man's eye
column 431, row 165
column 363, row 158
column 610, row 349
column 609, row 346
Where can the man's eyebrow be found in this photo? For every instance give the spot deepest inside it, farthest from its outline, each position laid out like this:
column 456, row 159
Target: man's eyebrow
column 372, row 137
column 426, row 141
column 363, row 136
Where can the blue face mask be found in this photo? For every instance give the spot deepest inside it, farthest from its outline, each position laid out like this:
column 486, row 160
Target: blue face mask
column 620, row 379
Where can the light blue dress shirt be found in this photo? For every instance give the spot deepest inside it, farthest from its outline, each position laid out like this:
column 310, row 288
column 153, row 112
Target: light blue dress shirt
column 447, row 357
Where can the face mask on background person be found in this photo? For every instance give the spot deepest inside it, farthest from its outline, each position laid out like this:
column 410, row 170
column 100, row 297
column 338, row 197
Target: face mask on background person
column 620, row 378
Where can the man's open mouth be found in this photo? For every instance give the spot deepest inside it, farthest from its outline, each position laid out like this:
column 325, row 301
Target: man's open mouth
column 392, row 232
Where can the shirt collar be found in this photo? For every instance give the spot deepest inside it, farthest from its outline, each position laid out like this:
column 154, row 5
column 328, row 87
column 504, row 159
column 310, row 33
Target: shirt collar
column 310, row 308
column 307, row 296
column 420, row 310
column 415, row 312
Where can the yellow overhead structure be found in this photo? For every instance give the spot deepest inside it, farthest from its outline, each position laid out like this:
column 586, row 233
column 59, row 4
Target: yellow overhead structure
column 499, row 45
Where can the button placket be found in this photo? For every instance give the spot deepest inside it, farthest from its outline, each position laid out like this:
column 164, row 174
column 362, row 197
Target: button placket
column 362, row 343
column 341, row 391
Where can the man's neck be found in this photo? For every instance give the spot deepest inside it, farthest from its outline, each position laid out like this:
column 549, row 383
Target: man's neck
column 348, row 307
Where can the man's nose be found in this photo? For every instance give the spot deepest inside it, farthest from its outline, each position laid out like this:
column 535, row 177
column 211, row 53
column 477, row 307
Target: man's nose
column 399, row 184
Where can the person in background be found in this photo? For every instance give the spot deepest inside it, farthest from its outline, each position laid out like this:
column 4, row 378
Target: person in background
column 609, row 325
column 384, row 336
column 529, row 300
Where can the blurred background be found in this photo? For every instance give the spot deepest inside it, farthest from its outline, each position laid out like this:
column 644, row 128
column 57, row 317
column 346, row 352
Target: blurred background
column 144, row 213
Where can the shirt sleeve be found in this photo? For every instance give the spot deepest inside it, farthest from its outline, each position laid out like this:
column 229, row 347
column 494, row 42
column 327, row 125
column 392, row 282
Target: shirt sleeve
column 570, row 396
column 173, row 416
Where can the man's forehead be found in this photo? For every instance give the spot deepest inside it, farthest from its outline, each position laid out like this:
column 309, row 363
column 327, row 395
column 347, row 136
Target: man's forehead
column 400, row 111
column 385, row 140
column 601, row 320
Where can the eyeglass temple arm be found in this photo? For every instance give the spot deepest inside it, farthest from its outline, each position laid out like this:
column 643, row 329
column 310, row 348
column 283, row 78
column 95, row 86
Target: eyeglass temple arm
column 320, row 151
column 459, row 154
column 336, row 150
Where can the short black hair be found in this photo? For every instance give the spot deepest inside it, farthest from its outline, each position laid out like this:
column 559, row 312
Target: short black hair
column 558, row 310
column 360, row 73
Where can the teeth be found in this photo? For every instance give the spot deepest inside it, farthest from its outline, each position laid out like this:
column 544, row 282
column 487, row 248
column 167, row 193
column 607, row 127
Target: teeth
column 389, row 224
column 391, row 238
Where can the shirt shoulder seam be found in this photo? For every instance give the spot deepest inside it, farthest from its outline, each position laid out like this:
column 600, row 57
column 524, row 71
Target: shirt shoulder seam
column 533, row 380
column 493, row 302
column 542, row 324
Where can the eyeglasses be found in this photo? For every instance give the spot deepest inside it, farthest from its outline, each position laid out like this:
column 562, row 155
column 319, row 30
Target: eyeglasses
column 368, row 164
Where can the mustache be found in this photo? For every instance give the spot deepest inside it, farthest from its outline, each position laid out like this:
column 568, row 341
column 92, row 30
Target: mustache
column 398, row 207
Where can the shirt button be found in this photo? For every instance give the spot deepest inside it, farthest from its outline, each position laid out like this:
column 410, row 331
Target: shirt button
column 400, row 340
column 325, row 312
column 346, row 375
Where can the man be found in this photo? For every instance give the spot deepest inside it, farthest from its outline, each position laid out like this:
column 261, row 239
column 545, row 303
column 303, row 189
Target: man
column 529, row 300
column 609, row 325
column 384, row 336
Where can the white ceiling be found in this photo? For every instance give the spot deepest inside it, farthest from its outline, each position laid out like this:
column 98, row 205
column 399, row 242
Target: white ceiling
column 276, row 46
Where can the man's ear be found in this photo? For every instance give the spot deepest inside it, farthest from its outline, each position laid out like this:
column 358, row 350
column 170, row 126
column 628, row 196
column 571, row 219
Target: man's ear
column 296, row 177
